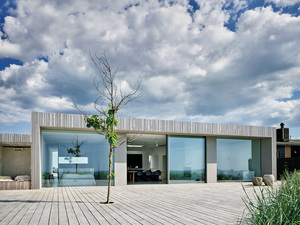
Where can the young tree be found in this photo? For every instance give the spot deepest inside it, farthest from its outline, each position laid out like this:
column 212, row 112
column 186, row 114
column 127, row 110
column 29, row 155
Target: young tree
column 112, row 100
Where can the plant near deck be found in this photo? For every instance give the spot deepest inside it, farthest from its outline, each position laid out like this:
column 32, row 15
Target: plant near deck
column 107, row 126
column 275, row 205
column 105, row 122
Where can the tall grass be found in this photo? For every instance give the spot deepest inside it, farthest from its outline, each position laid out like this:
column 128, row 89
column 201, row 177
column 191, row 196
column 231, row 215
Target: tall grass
column 274, row 205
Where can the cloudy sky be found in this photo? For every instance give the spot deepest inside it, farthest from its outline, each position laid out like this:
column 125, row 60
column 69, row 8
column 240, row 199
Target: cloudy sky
column 225, row 61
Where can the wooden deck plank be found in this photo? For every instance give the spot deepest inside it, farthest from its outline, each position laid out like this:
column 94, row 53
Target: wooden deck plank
column 77, row 209
column 93, row 206
column 39, row 210
column 218, row 203
column 25, row 219
column 17, row 212
column 86, row 207
column 125, row 214
column 10, row 202
column 54, row 217
column 46, row 210
column 72, row 218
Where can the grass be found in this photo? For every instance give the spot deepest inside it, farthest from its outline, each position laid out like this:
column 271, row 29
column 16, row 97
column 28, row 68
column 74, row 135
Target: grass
column 274, row 205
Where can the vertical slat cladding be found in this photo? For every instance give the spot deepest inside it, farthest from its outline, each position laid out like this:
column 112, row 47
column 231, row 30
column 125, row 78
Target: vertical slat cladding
column 147, row 125
column 140, row 124
column 200, row 128
column 177, row 127
column 170, row 127
column 185, row 128
column 214, row 128
column 152, row 125
column 193, row 127
column 127, row 124
column 15, row 138
column 209, row 128
column 163, row 127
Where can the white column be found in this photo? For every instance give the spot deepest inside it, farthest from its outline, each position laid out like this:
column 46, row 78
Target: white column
column 268, row 157
column 120, row 159
column 211, row 159
column 36, row 181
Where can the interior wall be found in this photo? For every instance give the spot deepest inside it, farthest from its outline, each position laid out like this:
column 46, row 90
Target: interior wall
column 16, row 162
column 145, row 154
column 157, row 158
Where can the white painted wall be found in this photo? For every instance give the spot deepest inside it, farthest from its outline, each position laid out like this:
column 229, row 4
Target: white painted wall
column 157, row 158
column 120, row 159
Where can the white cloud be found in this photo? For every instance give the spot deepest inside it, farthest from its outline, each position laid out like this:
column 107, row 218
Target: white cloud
column 8, row 49
column 192, row 65
column 284, row 3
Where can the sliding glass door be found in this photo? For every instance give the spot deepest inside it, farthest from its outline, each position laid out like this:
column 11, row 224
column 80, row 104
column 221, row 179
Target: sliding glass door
column 71, row 158
column 238, row 159
column 186, row 159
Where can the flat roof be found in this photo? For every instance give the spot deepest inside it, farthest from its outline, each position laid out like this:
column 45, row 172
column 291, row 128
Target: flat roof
column 15, row 139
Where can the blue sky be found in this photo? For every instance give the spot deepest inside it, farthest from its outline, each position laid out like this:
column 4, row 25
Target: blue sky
column 217, row 61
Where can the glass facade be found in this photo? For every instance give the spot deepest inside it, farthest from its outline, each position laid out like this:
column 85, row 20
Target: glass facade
column 186, row 159
column 238, row 159
column 73, row 158
column 146, row 159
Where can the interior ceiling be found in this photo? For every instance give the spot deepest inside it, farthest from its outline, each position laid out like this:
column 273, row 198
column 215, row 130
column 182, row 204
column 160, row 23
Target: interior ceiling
column 147, row 140
column 62, row 137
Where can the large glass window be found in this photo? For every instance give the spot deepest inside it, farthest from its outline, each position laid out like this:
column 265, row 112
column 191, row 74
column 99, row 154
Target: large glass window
column 146, row 159
column 74, row 159
column 238, row 159
column 186, row 159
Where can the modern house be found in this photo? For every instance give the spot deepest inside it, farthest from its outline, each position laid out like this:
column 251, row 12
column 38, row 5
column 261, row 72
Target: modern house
column 288, row 151
column 61, row 151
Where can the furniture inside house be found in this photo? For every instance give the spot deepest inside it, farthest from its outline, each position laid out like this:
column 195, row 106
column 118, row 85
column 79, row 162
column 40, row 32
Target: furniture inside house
column 145, row 175
column 20, row 182
column 83, row 177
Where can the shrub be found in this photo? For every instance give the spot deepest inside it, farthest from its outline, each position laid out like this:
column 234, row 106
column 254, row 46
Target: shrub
column 275, row 205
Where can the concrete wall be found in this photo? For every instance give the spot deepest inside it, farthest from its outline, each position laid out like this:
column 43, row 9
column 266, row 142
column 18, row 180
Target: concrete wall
column 268, row 157
column 211, row 159
column 15, row 162
column 129, row 125
column 120, row 159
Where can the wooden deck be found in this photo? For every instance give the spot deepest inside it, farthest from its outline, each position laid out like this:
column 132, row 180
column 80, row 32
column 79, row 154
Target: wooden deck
column 218, row 203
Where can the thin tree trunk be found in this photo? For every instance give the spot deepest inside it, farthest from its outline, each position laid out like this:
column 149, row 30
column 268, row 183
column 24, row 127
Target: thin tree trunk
column 109, row 173
column 109, row 165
